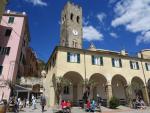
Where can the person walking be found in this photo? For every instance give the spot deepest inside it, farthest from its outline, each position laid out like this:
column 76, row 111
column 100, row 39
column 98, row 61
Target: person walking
column 43, row 102
column 34, row 103
column 99, row 102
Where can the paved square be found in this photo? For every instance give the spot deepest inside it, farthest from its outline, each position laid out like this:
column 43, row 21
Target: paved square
column 121, row 109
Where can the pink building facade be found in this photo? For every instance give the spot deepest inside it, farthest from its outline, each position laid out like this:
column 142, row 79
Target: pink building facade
column 14, row 39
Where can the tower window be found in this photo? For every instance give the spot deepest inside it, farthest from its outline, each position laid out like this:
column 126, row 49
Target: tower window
column 74, row 43
column 71, row 16
column 78, row 19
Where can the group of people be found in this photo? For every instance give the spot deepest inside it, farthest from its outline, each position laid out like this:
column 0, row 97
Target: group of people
column 19, row 103
column 66, row 106
column 139, row 103
column 92, row 105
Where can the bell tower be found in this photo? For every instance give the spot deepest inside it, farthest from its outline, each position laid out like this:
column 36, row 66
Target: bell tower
column 71, row 26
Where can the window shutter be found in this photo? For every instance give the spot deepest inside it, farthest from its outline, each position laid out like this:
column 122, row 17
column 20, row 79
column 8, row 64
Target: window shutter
column 78, row 58
column 11, row 20
column 92, row 59
column 68, row 57
column 101, row 58
column 8, row 50
column 120, row 63
column 146, row 65
column 137, row 64
column 1, row 69
column 113, row 63
column 131, row 66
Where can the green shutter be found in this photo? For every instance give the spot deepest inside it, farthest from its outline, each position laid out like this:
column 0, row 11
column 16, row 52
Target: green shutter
column 92, row 59
column 131, row 66
column 120, row 63
column 146, row 65
column 113, row 63
column 137, row 64
column 78, row 58
column 1, row 69
column 101, row 58
column 11, row 20
column 68, row 57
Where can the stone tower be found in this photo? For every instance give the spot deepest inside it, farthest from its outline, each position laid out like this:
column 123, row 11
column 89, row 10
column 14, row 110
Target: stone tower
column 71, row 26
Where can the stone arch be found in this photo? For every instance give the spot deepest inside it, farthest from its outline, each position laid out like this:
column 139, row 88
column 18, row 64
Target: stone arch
column 98, row 86
column 148, row 86
column 75, row 87
column 137, row 85
column 119, row 84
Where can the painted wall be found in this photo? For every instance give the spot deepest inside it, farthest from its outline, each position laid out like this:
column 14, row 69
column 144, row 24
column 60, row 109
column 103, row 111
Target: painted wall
column 86, row 70
column 11, row 62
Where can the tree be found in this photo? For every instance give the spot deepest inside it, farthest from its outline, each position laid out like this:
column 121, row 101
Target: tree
column 59, row 83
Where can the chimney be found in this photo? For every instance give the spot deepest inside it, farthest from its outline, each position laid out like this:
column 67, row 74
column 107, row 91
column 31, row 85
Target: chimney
column 123, row 52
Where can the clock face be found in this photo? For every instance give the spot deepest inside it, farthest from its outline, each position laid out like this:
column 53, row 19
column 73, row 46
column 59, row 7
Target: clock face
column 75, row 32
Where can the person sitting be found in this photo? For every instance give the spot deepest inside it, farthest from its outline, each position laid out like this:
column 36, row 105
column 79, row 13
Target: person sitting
column 68, row 106
column 137, row 103
column 93, row 106
column 64, row 106
column 142, row 103
column 88, row 106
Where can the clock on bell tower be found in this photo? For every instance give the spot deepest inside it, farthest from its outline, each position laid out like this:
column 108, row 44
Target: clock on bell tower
column 71, row 26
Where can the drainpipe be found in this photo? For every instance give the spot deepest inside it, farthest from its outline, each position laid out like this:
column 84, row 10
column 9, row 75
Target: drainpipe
column 144, row 77
column 84, row 67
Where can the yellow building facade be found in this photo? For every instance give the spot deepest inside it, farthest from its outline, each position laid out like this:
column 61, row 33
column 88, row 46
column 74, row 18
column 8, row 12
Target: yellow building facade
column 112, row 73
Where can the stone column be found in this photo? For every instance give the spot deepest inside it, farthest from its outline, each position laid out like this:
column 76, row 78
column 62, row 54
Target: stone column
column 129, row 94
column 109, row 93
column 145, row 95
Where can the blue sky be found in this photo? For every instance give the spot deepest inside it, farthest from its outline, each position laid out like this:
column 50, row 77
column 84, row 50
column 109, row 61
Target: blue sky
column 109, row 24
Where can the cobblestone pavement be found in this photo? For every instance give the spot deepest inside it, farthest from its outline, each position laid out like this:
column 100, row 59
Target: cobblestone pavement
column 121, row 109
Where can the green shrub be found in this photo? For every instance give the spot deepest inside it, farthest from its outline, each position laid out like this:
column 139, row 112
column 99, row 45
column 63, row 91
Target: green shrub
column 114, row 102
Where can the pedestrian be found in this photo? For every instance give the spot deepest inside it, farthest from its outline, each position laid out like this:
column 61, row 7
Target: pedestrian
column 99, row 102
column 43, row 102
column 16, row 106
column 34, row 103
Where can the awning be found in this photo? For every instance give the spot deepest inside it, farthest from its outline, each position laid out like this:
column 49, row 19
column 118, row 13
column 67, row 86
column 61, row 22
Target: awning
column 19, row 88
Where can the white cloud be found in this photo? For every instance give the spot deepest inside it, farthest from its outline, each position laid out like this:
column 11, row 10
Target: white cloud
column 101, row 17
column 37, row 2
column 135, row 16
column 144, row 37
column 112, row 1
column 114, row 35
column 90, row 33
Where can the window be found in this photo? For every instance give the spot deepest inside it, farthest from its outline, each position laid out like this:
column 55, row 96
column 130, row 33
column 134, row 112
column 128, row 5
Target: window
column 8, row 32
column 71, row 17
column 97, row 60
column 74, row 43
column 116, row 62
column 78, row 19
column 147, row 65
column 11, row 20
column 73, row 57
column 66, row 89
column 4, row 50
column 134, row 65
column 1, row 69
